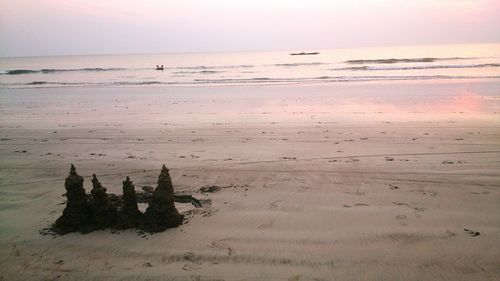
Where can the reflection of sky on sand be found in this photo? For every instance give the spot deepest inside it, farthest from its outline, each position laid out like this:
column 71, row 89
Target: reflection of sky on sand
column 241, row 106
column 465, row 101
column 399, row 103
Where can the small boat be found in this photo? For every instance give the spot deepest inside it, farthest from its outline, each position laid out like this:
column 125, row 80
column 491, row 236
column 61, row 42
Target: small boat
column 159, row 67
column 304, row 54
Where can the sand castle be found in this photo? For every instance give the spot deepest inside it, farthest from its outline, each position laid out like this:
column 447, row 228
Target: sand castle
column 161, row 213
column 76, row 216
column 103, row 213
column 88, row 212
column 129, row 215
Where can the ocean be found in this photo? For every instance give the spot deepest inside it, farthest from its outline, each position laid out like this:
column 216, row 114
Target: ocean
column 439, row 62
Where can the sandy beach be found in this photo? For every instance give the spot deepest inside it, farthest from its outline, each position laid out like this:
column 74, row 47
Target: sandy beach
column 341, row 181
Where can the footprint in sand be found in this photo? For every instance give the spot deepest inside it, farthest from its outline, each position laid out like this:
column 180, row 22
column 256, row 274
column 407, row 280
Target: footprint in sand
column 401, row 217
column 275, row 204
column 357, row 193
column 266, row 225
column 360, row 204
column 14, row 251
column 195, row 262
column 220, row 244
column 416, row 210
column 450, row 234
column 189, row 267
column 355, row 205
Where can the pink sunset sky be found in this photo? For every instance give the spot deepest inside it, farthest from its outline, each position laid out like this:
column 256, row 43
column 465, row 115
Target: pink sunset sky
column 62, row 27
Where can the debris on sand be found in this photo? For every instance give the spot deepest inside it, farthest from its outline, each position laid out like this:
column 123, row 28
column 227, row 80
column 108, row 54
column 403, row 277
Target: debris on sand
column 472, row 232
column 209, row 189
column 188, row 199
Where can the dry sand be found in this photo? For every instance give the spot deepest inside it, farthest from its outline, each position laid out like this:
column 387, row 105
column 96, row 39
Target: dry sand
column 321, row 182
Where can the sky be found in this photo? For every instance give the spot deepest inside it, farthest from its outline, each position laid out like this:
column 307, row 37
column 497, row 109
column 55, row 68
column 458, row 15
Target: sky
column 72, row 27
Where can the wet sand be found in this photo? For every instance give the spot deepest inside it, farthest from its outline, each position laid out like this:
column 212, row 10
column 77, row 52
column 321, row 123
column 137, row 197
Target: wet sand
column 395, row 181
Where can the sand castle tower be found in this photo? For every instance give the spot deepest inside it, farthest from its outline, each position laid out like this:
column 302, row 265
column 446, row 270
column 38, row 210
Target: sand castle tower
column 76, row 215
column 104, row 214
column 161, row 213
column 129, row 215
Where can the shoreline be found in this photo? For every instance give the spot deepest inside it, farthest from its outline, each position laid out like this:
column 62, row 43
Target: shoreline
column 307, row 82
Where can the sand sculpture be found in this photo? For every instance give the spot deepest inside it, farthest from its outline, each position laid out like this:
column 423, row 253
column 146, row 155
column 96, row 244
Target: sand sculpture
column 161, row 213
column 76, row 215
column 103, row 213
column 130, row 216
column 88, row 212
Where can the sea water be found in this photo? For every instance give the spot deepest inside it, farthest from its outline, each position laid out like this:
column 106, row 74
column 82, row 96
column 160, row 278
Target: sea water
column 441, row 62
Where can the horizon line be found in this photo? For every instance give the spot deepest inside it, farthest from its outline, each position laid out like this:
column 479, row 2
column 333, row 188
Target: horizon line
column 246, row 51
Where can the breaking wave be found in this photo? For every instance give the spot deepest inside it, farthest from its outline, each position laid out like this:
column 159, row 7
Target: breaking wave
column 404, row 60
column 50, row 70
column 337, row 79
column 445, row 66
column 202, row 67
